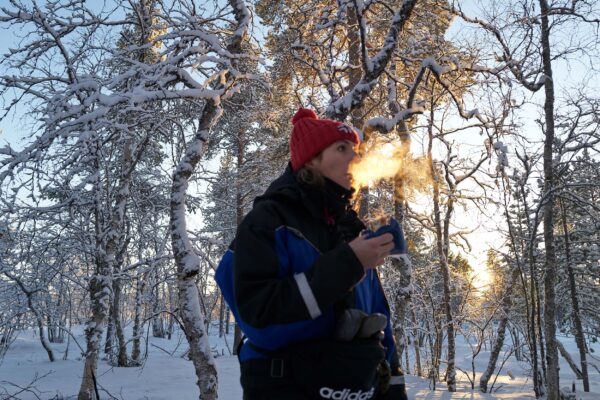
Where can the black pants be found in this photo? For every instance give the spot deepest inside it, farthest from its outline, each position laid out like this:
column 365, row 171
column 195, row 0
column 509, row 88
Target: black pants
column 275, row 393
column 315, row 370
column 264, row 379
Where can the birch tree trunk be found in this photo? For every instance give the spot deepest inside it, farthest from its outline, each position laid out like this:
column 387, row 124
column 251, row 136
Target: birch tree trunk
column 403, row 287
column 579, row 335
column 110, row 332
column 569, row 360
column 137, row 326
column 172, row 309
column 531, row 300
column 354, row 75
column 239, row 210
column 501, row 333
column 121, row 344
column 158, row 329
column 443, row 260
column 188, row 263
column 416, row 343
column 552, row 378
column 403, row 266
column 540, row 326
column 443, row 247
column 100, row 299
column 221, row 316
column 517, row 236
column 533, row 312
column 108, row 239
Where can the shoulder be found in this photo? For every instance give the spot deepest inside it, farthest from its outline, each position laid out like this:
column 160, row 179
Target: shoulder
column 262, row 224
column 266, row 214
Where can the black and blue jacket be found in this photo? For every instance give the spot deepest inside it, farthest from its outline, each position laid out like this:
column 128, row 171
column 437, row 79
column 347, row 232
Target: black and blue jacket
column 290, row 270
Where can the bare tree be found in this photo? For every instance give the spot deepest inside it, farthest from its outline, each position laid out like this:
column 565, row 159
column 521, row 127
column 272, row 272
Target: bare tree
column 188, row 262
column 80, row 108
column 523, row 41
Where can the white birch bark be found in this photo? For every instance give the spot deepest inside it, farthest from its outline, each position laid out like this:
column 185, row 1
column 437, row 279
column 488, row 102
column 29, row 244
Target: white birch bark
column 188, row 263
column 501, row 333
column 137, row 320
column 441, row 244
column 101, row 288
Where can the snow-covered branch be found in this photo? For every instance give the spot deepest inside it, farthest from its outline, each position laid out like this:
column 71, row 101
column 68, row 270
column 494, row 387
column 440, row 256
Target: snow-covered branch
column 376, row 65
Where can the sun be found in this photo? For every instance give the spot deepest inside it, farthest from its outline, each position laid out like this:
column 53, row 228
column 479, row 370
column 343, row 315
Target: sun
column 480, row 274
column 481, row 277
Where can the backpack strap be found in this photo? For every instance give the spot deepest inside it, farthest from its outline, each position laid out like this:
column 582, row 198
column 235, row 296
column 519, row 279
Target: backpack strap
column 269, row 353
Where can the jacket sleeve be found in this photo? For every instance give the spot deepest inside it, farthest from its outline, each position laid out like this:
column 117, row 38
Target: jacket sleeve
column 266, row 296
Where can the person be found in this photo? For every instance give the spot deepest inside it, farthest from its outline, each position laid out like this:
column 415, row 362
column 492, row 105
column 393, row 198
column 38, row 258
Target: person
column 301, row 280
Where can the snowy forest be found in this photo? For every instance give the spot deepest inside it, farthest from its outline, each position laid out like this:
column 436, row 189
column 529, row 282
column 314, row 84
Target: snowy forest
column 135, row 135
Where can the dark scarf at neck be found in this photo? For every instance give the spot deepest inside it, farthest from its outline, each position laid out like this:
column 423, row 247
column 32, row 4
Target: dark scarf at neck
column 331, row 203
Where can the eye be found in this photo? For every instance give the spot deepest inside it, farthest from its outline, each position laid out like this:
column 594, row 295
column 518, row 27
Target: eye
column 342, row 148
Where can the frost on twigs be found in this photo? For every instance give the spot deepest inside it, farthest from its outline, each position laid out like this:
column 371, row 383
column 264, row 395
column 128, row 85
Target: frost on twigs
column 108, row 91
column 372, row 67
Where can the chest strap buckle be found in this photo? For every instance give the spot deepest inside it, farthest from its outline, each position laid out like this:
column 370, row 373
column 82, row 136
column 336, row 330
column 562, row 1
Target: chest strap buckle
column 277, row 368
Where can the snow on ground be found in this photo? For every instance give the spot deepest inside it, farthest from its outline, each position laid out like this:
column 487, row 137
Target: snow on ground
column 167, row 375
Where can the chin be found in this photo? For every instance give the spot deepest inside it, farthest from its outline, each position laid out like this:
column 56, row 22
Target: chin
column 348, row 182
column 343, row 183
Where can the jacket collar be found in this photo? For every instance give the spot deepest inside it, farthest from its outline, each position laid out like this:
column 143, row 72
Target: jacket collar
column 329, row 204
column 329, row 201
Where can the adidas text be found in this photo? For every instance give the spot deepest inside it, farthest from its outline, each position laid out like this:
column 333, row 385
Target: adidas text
column 345, row 394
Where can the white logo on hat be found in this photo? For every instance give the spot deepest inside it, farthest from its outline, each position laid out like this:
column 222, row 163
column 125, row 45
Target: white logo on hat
column 345, row 128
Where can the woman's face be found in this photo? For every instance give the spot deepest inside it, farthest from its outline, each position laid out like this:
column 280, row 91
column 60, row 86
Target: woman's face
column 334, row 162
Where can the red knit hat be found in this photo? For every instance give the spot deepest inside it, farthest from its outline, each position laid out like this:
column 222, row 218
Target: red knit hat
column 311, row 135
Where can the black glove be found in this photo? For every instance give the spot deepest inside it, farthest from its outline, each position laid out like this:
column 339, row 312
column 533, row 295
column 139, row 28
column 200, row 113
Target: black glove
column 384, row 375
column 356, row 324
